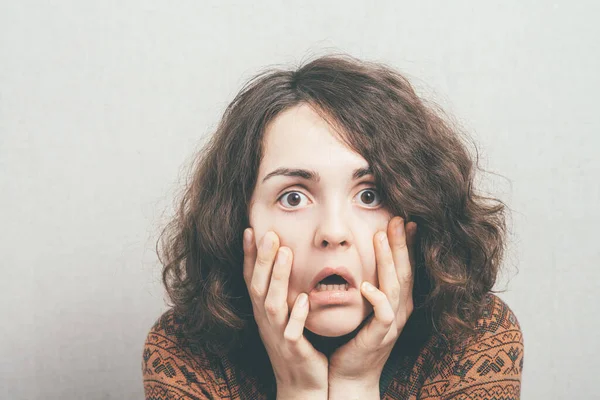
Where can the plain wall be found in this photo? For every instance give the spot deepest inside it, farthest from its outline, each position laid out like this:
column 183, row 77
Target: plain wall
column 102, row 104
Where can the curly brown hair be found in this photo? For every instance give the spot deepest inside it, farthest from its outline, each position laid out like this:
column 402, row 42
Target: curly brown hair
column 418, row 158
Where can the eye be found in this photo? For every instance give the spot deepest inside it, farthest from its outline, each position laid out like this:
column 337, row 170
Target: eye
column 368, row 196
column 292, row 197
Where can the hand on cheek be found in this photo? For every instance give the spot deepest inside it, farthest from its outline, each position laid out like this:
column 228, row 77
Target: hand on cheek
column 297, row 365
column 364, row 356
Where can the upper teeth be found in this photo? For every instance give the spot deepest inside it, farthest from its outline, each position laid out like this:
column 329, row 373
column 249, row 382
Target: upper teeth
column 322, row 287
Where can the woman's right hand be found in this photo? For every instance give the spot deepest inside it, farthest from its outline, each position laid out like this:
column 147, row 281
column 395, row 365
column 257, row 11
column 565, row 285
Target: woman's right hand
column 300, row 370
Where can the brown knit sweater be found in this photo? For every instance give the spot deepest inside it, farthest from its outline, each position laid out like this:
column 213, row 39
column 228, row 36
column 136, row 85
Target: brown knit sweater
column 489, row 367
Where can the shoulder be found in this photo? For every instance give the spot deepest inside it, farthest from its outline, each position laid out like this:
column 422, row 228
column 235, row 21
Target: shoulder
column 174, row 368
column 498, row 343
column 497, row 318
column 491, row 363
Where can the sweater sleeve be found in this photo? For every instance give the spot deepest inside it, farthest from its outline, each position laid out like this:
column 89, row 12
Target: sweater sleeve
column 490, row 367
column 173, row 370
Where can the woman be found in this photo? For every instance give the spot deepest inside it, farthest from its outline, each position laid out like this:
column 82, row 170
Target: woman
column 337, row 176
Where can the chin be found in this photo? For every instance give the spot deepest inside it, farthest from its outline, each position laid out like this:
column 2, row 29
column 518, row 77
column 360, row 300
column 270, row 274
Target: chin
column 333, row 322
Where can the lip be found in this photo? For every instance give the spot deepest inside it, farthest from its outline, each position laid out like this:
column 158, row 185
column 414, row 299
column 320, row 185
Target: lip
column 332, row 297
column 340, row 270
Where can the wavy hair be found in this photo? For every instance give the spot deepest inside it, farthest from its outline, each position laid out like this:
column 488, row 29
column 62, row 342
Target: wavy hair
column 420, row 162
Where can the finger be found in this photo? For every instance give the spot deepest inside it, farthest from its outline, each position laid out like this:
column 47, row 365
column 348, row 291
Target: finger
column 263, row 267
column 379, row 326
column 294, row 331
column 386, row 270
column 295, row 327
column 276, row 307
column 411, row 233
column 249, row 255
column 401, row 256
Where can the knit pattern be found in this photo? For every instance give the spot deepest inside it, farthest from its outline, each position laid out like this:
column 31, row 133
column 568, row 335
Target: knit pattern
column 489, row 367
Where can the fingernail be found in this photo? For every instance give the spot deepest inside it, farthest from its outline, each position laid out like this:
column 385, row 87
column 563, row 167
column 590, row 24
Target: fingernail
column 381, row 236
column 247, row 237
column 302, row 299
column 368, row 287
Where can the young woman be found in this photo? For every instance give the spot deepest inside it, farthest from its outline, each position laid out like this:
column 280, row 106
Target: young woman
column 331, row 244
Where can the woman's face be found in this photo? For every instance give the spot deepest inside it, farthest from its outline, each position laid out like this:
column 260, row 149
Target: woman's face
column 326, row 222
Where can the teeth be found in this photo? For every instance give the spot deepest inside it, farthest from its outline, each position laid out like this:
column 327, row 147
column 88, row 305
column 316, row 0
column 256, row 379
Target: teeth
column 322, row 288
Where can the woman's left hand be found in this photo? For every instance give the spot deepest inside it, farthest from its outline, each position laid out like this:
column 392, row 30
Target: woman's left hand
column 361, row 360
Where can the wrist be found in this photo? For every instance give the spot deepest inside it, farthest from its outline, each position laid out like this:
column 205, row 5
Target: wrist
column 353, row 389
column 298, row 394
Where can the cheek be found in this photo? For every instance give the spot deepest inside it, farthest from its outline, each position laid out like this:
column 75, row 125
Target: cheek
column 295, row 287
column 261, row 221
column 369, row 261
column 299, row 279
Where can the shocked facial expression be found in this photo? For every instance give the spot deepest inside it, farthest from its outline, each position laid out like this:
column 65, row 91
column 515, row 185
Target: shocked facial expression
column 320, row 198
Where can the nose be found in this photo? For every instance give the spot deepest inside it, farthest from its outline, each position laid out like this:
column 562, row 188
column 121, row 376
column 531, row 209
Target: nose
column 333, row 230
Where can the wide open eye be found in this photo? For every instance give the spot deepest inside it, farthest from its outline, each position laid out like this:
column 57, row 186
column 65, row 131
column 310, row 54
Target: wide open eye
column 293, row 198
column 370, row 196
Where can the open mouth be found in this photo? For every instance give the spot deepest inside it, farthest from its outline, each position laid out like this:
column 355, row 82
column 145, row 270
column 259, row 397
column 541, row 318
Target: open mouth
column 332, row 283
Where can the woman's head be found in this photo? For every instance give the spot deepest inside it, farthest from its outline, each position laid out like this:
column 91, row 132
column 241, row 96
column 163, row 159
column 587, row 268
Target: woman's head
column 334, row 115
column 320, row 198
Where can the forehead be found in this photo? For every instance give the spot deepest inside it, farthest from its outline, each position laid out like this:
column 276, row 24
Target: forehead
column 299, row 137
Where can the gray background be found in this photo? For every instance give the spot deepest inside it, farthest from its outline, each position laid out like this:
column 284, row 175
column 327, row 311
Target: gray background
column 102, row 104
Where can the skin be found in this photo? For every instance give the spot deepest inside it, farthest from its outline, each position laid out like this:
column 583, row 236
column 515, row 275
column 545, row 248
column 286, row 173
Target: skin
column 354, row 369
column 329, row 223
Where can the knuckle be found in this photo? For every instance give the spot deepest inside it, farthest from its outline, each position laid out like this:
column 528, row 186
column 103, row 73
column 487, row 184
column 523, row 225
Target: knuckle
column 255, row 291
column 279, row 275
column 388, row 320
column 279, row 278
column 400, row 245
column 395, row 292
column 264, row 259
column 404, row 277
column 271, row 308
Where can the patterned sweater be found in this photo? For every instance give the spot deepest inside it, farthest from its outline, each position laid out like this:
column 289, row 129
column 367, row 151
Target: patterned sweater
column 489, row 367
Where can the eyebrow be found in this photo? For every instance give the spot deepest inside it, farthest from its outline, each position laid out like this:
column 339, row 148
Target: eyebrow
column 313, row 175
